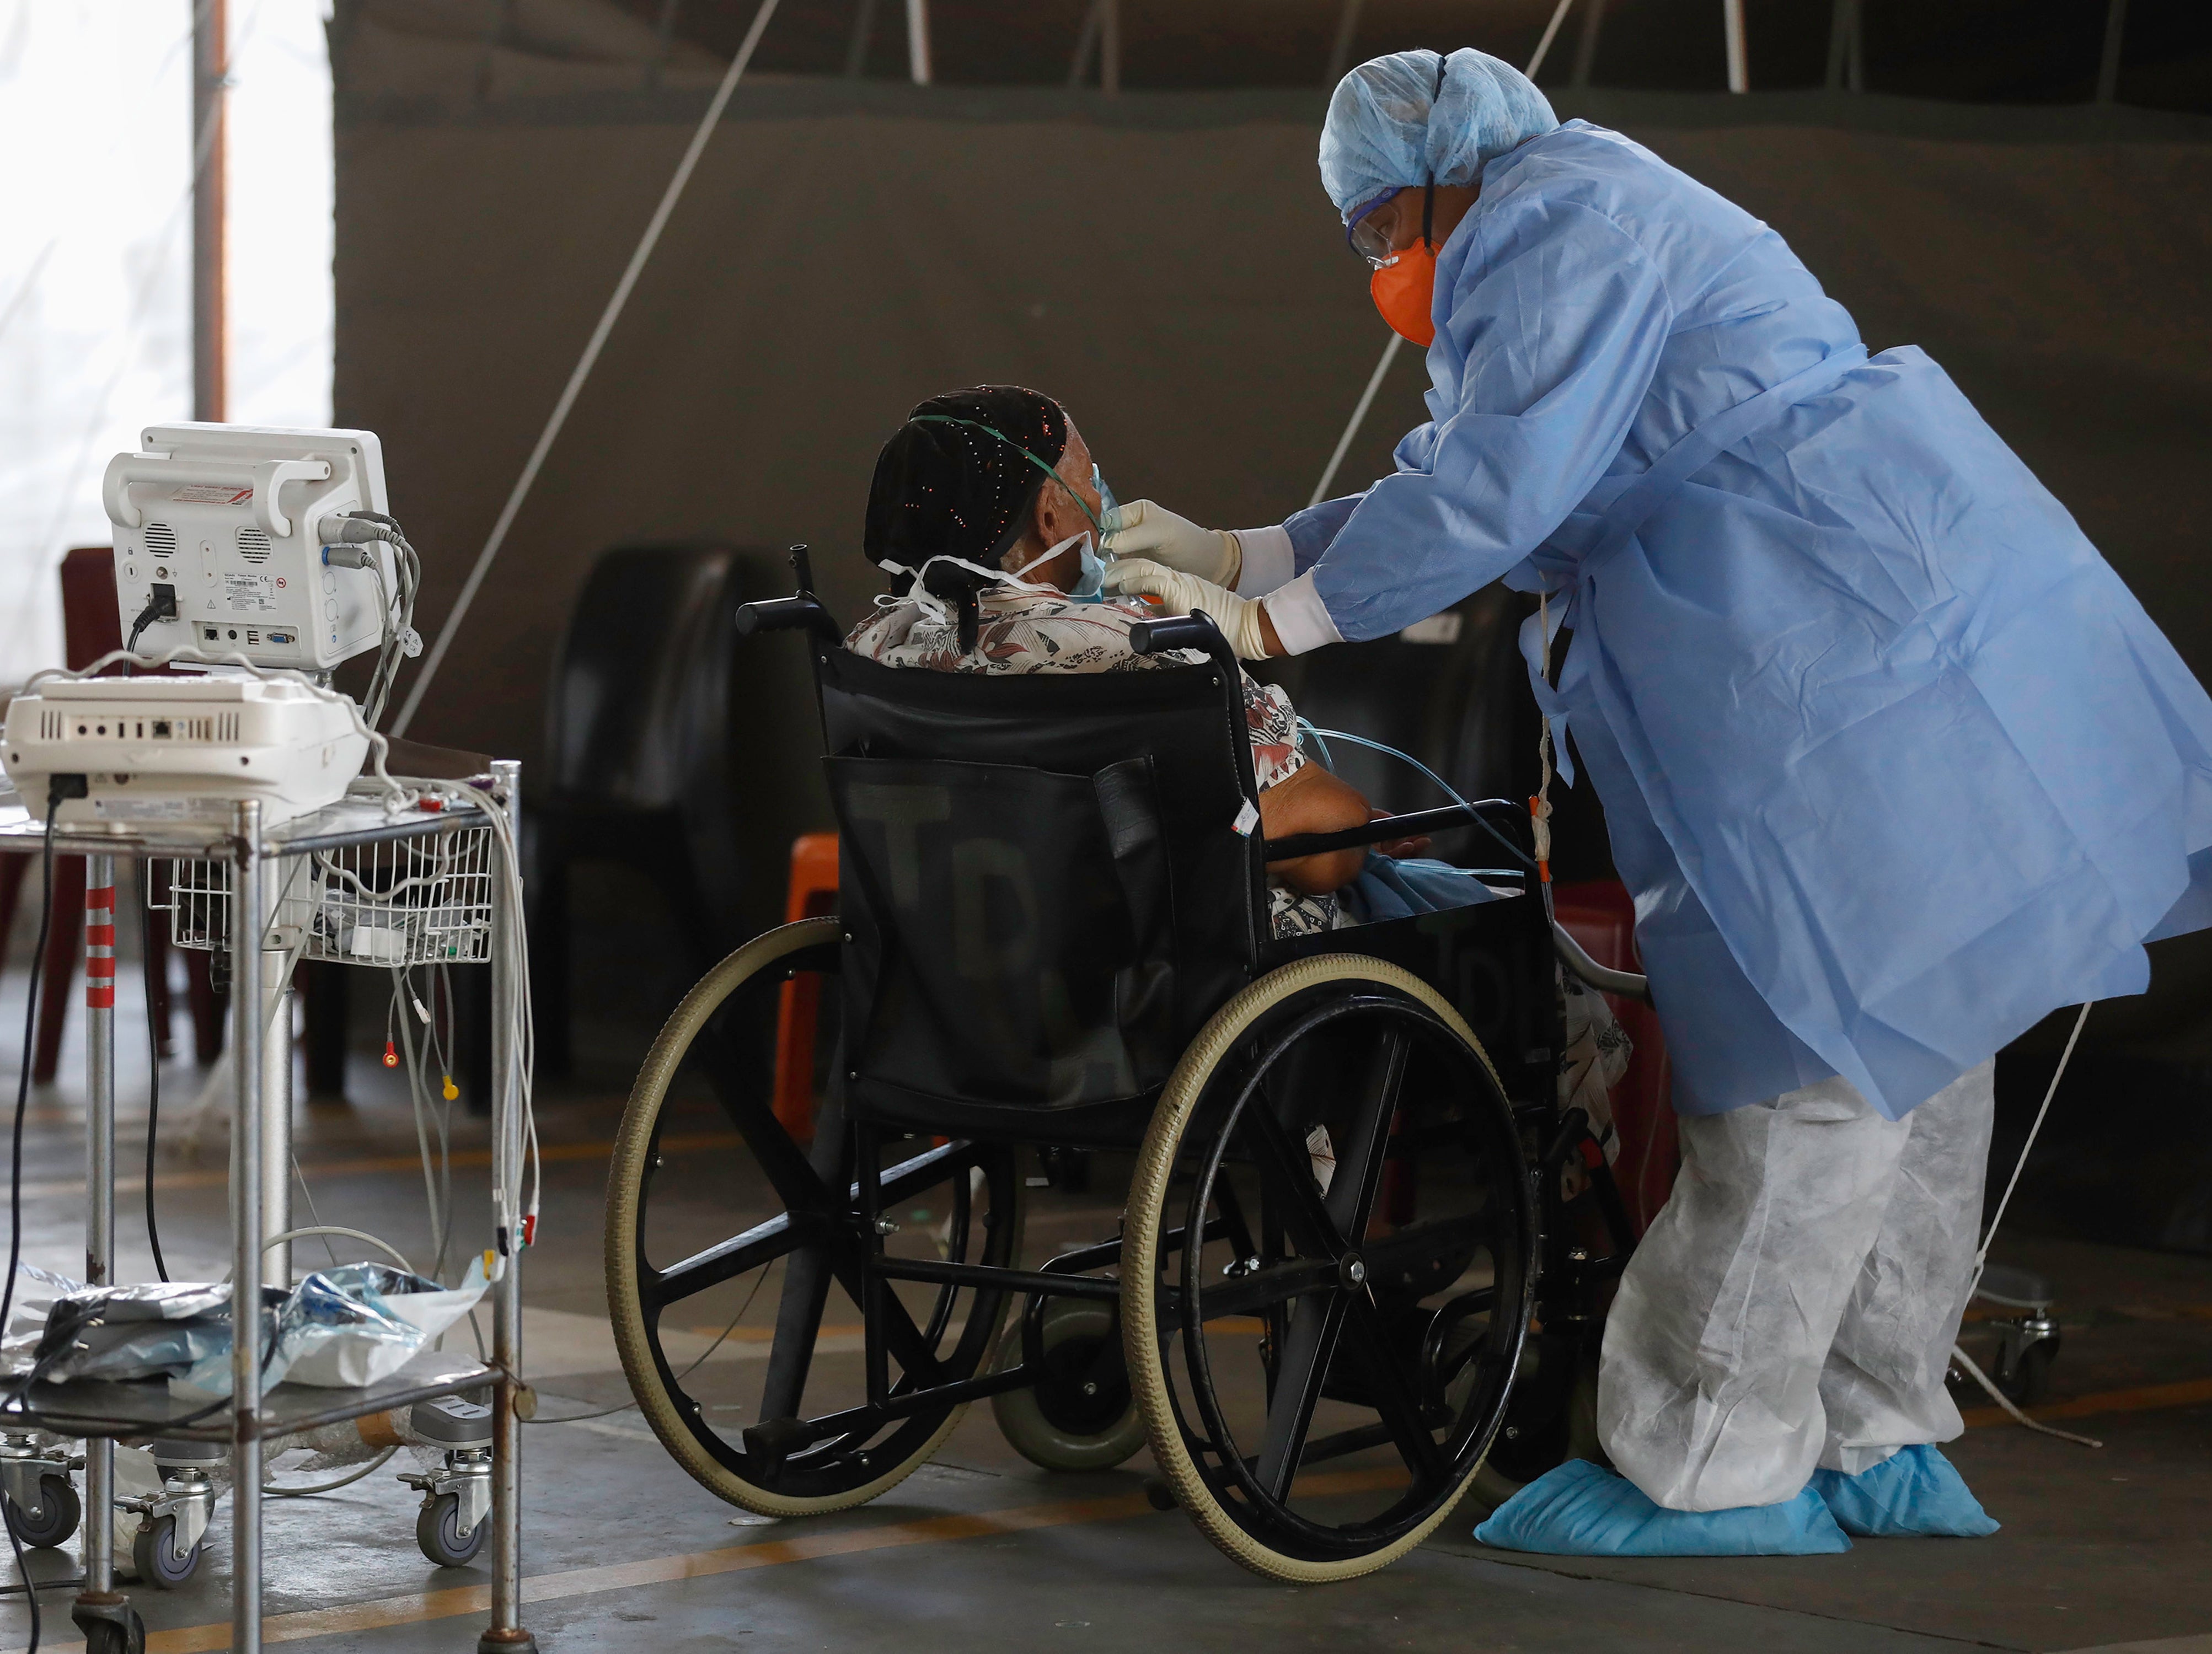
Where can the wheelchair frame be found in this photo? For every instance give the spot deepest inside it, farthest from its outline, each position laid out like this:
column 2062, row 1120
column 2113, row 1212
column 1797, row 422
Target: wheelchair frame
column 1540, row 1389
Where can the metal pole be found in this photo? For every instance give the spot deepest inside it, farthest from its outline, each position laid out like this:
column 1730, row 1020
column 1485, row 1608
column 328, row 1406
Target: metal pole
column 1339, row 54
column 2108, row 68
column 1839, row 42
column 210, row 214
column 856, row 50
column 1086, row 42
column 275, row 1113
column 917, row 40
column 248, row 919
column 99, row 1187
column 1110, row 46
column 1739, row 68
column 1586, row 42
column 505, row 1634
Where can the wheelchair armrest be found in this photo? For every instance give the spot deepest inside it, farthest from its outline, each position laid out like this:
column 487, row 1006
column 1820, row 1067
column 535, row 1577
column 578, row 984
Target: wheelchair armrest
column 1383, row 828
column 1627, row 983
column 789, row 614
column 1195, row 630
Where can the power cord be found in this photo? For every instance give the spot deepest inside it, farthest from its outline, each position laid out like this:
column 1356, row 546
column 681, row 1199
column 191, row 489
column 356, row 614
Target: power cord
column 146, row 911
column 160, row 605
column 62, row 787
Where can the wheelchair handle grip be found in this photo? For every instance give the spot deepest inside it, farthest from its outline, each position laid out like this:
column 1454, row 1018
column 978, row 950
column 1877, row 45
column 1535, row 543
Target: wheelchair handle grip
column 802, row 613
column 1195, row 630
column 1627, row 983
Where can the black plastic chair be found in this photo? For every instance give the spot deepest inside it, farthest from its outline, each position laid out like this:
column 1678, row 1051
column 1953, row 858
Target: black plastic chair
column 646, row 748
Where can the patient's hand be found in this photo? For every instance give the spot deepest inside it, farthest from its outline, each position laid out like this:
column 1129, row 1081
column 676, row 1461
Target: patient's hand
column 1312, row 800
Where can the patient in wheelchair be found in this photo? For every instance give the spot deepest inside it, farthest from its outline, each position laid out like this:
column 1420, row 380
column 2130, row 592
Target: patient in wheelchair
column 986, row 509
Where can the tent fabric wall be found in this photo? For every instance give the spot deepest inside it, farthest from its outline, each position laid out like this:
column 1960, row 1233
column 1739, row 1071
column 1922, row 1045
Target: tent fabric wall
column 1165, row 263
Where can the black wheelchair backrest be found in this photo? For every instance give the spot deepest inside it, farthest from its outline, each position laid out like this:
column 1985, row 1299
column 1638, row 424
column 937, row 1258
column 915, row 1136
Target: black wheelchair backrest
column 1048, row 882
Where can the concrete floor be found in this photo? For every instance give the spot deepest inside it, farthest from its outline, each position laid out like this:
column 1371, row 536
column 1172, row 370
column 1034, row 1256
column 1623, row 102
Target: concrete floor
column 981, row 1551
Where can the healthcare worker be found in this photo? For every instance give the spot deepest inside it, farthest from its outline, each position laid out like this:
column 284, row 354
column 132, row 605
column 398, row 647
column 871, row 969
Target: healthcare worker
column 1892, row 760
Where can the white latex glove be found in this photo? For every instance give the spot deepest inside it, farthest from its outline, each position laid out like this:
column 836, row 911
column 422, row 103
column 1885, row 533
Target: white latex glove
column 1180, row 594
column 1142, row 529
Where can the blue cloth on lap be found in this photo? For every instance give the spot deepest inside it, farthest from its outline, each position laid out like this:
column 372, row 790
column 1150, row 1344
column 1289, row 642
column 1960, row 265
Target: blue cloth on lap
column 1581, row 1509
column 1914, row 1492
column 1388, row 887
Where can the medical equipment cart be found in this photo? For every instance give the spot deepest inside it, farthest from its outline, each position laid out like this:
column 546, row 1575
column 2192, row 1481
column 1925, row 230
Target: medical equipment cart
column 264, row 924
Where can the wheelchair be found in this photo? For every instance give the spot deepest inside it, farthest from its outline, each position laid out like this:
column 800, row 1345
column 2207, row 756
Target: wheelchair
column 1363, row 1260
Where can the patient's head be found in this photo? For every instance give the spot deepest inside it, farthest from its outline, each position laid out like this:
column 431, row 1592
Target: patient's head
column 966, row 476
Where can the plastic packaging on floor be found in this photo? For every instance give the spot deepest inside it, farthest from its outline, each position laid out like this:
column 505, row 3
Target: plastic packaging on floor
column 340, row 1327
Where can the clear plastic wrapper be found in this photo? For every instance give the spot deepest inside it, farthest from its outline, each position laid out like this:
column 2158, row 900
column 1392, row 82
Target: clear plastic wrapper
column 340, row 1327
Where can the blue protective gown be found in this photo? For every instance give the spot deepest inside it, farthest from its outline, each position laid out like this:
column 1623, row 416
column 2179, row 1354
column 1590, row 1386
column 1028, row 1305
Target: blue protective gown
column 1893, row 761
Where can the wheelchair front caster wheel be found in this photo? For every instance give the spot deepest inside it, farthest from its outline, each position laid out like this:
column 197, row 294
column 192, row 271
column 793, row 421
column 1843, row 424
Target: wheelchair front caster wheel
column 437, row 1532
column 160, row 1563
column 54, row 1519
column 1079, row 1414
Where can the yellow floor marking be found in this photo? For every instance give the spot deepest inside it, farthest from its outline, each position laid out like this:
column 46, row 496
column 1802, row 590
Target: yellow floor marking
column 2145, row 1398
column 416, row 1607
column 218, row 1177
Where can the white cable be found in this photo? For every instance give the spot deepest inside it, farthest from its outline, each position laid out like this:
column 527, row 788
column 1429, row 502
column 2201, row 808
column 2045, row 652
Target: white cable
column 1982, row 1257
column 1359, row 418
column 2007, row 1402
column 1989, row 1239
column 607, row 319
column 1551, row 32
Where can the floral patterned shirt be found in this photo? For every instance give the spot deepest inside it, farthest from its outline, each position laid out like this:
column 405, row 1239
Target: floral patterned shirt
column 1024, row 632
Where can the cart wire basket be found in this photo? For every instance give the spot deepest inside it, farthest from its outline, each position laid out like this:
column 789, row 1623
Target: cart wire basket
column 403, row 901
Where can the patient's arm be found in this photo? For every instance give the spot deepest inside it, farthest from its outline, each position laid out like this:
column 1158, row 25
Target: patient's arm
column 1312, row 800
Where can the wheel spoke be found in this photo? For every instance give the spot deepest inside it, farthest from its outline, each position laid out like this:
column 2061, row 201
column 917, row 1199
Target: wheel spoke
column 744, row 1098
column 1267, row 1287
column 760, row 1244
column 1305, row 1216
column 1393, row 1398
column 1351, row 1198
column 1315, row 1326
column 798, row 1323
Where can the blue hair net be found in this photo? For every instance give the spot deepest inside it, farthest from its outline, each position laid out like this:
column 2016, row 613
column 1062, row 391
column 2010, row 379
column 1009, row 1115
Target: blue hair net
column 1386, row 127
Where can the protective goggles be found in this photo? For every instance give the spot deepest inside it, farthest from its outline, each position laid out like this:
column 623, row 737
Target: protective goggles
column 1371, row 232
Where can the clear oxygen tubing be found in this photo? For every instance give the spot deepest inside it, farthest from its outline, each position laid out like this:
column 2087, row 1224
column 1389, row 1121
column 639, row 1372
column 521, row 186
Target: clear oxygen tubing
column 1322, row 738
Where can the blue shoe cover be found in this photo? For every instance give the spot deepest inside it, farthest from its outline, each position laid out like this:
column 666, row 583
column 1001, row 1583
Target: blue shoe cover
column 1583, row 1509
column 1915, row 1491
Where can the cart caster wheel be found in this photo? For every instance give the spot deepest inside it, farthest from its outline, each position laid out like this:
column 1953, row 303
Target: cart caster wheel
column 1080, row 1414
column 153, row 1552
column 57, row 1515
column 110, row 1624
column 438, row 1531
column 2027, row 1382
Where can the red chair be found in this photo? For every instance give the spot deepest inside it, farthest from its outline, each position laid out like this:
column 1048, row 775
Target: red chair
column 812, row 892
column 1602, row 916
column 91, row 628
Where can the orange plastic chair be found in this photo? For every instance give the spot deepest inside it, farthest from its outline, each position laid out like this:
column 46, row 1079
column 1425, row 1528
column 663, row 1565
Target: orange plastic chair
column 812, row 892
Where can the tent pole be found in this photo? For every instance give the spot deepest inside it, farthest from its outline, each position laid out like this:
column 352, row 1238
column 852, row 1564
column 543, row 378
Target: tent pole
column 917, row 40
column 864, row 28
column 1340, row 55
column 2108, row 68
column 210, row 216
column 1586, row 43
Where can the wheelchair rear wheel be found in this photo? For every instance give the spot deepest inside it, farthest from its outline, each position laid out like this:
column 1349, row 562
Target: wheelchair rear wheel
column 1357, row 1285
column 765, row 1231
